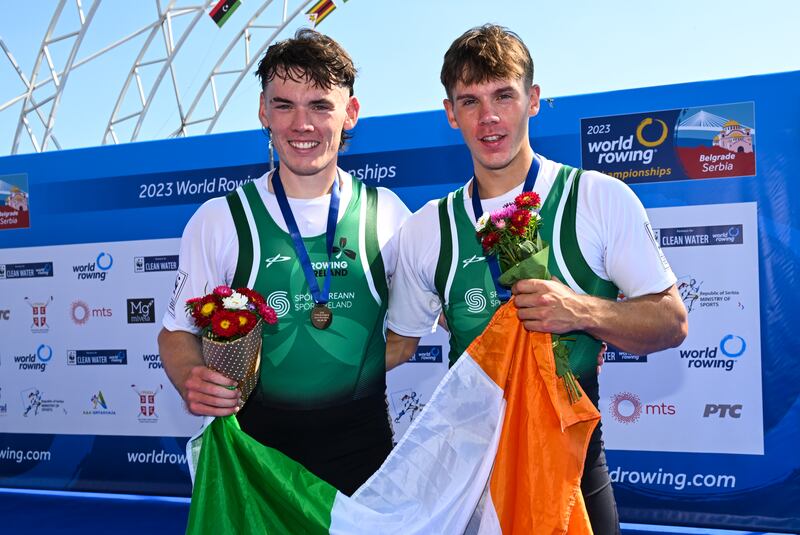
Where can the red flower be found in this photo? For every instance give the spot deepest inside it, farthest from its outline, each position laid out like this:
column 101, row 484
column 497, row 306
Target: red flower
column 223, row 291
column 489, row 241
column 268, row 313
column 247, row 320
column 252, row 295
column 225, row 323
column 527, row 199
column 204, row 309
column 520, row 219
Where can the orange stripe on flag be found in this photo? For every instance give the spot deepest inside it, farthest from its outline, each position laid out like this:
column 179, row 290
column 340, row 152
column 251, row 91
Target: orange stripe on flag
column 535, row 483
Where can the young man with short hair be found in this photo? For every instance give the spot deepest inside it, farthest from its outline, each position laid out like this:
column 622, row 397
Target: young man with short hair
column 600, row 238
column 319, row 246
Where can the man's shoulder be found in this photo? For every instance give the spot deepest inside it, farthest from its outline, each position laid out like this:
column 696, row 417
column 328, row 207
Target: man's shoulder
column 604, row 188
column 425, row 218
column 212, row 208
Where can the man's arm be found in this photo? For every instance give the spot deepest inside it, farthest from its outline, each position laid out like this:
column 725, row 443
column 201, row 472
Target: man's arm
column 637, row 325
column 399, row 348
column 204, row 391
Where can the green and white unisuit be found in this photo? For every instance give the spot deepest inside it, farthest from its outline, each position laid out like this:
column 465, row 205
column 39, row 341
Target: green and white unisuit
column 462, row 290
column 600, row 241
column 242, row 240
column 302, row 365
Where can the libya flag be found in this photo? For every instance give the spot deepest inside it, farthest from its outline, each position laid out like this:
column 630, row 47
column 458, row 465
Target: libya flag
column 498, row 449
column 223, row 11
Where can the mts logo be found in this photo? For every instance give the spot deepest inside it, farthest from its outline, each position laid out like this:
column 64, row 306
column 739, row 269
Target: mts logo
column 723, row 411
column 5, row 314
column 662, row 409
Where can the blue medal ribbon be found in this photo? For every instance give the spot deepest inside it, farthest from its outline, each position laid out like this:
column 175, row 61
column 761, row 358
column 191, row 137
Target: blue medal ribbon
column 503, row 294
column 321, row 297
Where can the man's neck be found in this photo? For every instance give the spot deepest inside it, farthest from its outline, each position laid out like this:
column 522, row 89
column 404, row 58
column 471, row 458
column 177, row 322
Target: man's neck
column 495, row 182
column 306, row 186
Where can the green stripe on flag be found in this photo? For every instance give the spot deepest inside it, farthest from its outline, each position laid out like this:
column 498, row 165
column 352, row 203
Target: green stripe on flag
column 242, row 486
column 228, row 13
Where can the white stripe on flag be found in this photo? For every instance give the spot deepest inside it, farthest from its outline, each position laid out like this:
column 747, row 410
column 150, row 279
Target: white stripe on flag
column 433, row 479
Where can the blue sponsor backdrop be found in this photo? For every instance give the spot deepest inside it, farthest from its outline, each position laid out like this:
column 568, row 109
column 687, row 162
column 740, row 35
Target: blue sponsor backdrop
column 149, row 190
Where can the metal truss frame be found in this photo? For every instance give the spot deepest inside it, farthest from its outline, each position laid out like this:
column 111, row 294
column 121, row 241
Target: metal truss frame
column 54, row 78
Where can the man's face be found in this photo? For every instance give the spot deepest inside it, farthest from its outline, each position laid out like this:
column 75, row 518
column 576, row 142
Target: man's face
column 493, row 118
column 306, row 123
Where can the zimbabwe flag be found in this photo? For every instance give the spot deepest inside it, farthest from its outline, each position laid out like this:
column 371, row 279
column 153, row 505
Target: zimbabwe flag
column 320, row 10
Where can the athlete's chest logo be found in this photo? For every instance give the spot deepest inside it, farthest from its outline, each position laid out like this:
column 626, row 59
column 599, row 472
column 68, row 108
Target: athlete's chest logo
column 342, row 248
column 275, row 259
column 474, row 259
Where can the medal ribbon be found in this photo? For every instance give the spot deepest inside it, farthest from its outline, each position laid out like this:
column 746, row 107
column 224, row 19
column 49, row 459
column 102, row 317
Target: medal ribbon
column 503, row 294
column 320, row 296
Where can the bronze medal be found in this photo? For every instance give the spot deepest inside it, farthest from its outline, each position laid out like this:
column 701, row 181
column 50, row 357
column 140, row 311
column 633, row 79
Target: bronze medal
column 321, row 316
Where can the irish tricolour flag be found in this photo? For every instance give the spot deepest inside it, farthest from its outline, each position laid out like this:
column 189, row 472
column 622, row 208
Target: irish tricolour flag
column 498, row 449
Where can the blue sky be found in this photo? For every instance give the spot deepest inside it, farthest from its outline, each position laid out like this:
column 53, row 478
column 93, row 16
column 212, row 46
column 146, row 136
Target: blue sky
column 579, row 46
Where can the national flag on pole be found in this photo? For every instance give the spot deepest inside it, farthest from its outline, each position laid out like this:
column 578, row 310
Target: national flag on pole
column 320, row 10
column 223, row 10
column 498, row 449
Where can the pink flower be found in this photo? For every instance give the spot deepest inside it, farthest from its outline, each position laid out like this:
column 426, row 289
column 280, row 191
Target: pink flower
column 503, row 213
column 223, row 291
column 267, row 313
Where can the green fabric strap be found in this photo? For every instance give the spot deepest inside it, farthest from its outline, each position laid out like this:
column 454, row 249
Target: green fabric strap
column 445, row 250
column 245, row 261
column 583, row 347
column 244, row 487
column 578, row 266
column 374, row 257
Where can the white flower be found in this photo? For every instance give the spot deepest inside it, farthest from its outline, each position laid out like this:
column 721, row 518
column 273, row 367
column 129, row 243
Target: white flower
column 482, row 220
column 235, row 301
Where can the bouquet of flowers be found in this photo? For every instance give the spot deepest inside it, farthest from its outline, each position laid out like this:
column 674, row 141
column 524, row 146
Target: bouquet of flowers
column 512, row 235
column 231, row 323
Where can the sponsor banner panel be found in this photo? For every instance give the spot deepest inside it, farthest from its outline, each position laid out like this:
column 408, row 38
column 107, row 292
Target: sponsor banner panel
column 148, row 465
column 711, row 384
column 410, row 386
column 715, row 141
column 87, row 360
column 14, row 202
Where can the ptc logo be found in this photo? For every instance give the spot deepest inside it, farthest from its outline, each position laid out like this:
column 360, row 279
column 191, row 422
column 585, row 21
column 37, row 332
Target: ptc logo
column 723, row 410
column 476, row 301
column 5, row 315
